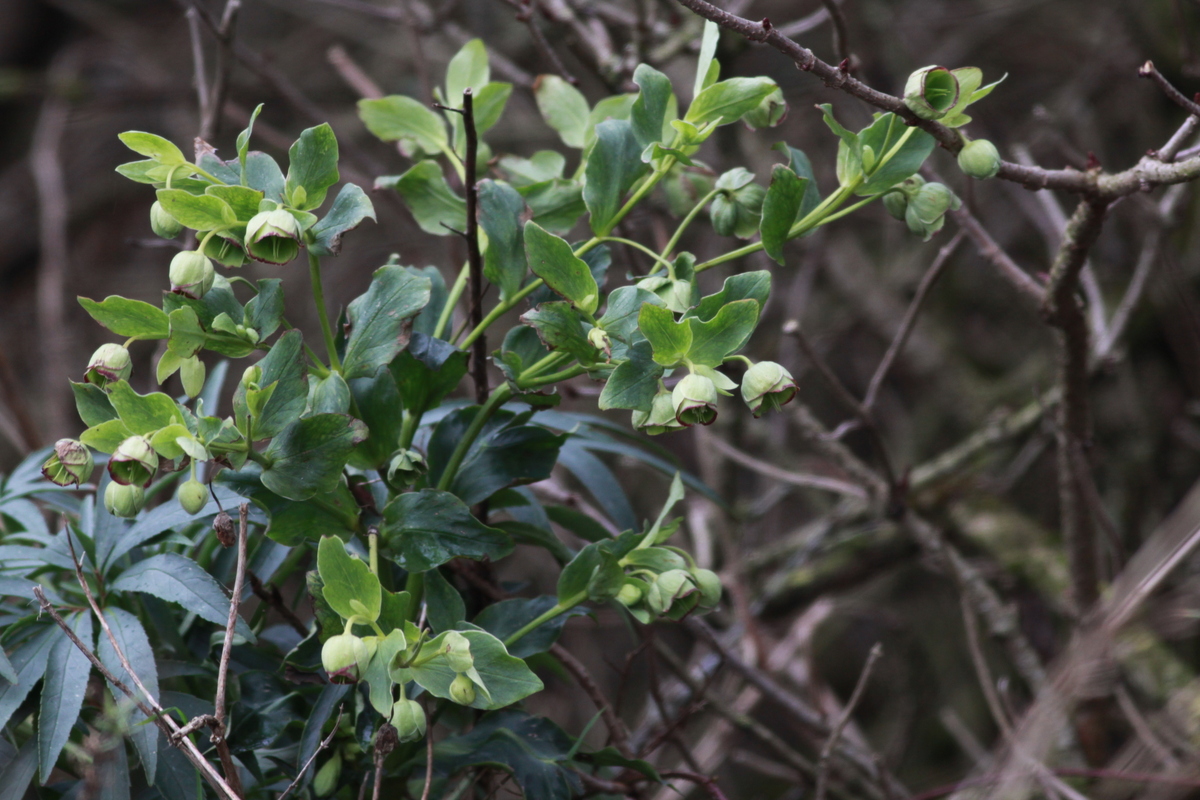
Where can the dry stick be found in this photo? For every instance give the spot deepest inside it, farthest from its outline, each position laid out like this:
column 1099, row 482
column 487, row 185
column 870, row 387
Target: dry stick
column 474, row 256
column 428, row 755
column 806, row 480
column 525, row 9
column 151, row 709
column 847, row 712
column 218, row 733
column 307, row 764
column 910, row 318
column 1062, row 311
column 792, row 328
column 210, row 122
column 352, row 73
column 199, row 71
column 616, row 728
column 1177, row 97
column 1147, row 173
column 841, row 40
column 275, row 600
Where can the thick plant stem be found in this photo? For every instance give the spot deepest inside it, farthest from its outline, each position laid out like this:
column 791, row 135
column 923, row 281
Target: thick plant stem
column 318, row 293
column 456, row 290
column 474, row 256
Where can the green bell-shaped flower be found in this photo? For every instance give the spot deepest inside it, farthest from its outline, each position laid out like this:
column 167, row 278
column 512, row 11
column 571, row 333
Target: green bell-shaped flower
column 109, row 364
column 162, row 223
column 345, row 657
column 71, row 463
column 192, row 495
column 931, row 91
column 408, row 718
column 191, row 274
column 695, row 400
column 273, row 236
column 660, row 418
column 767, row 386
column 134, row 462
column 124, row 501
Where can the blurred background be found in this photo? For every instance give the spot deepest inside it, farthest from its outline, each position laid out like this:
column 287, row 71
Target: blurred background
column 815, row 582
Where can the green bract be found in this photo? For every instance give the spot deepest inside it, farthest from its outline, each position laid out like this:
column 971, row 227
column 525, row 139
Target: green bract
column 767, row 386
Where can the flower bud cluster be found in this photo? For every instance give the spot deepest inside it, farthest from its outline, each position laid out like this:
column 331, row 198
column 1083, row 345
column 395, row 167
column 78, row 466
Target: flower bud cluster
column 766, row 387
column 921, row 205
column 673, row 592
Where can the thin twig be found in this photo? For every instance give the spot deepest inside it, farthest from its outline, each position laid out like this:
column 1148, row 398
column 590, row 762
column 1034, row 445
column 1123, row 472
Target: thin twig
column 836, row 734
column 428, row 754
column 525, row 10
column 199, row 70
column 841, row 39
column 804, row 479
column 324, row 744
column 910, row 318
column 218, row 728
column 616, row 728
column 1177, row 97
column 274, row 599
column 210, row 123
column 352, row 73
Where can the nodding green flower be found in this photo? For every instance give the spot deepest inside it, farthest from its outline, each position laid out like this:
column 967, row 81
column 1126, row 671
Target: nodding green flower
column 979, row 159
column 769, row 113
column 927, row 207
column 405, row 467
column 273, row 236
column 162, row 223
column 767, row 386
column 192, row 495
column 70, row 463
column 345, row 657
column 408, row 718
column 709, row 585
column 896, row 200
column 457, row 649
column 660, row 418
column 134, row 462
column 191, row 274
column 124, row 501
column 462, row 690
column 931, row 91
column 109, row 364
column 668, row 586
column 695, row 401
column 736, row 211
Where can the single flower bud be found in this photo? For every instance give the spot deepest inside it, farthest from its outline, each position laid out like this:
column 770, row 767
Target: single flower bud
column 109, row 364
column 273, row 236
column 927, row 207
column 599, row 339
column 124, row 501
column 162, row 223
column 630, row 595
column 252, row 376
column 462, row 690
column 134, row 462
column 695, row 400
column 409, row 719
column 769, row 113
column 70, row 463
column 709, row 585
column 191, row 274
column 192, row 495
column 767, row 386
column 979, row 159
column 457, row 649
column 406, row 467
column 345, row 658
column 326, row 779
column 930, row 92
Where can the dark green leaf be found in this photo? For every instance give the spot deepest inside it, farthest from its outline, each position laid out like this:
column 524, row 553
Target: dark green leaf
column 293, row 523
column 884, row 135
column 349, row 209
column 126, row 317
column 436, row 208
column 780, row 209
column 92, row 403
column 634, row 382
column 378, row 403
column 377, row 320
column 427, row 371
column 283, row 365
column 613, row 165
column 508, row 616
column 502, row 213
column 265, row 310
column 748, row 285
column 328, row 395
column 557, row 205
column 426, row 529
column 313, row 164
column 29, row 662
column 182, row 581
column 131, row 638
column 310, row 740
column 307, row 457
column 650, row 108
column 595, row 475
column 444, row 603
column 802, row 167
column 143, row 414
column 263, row 173
column 62, row 692
column 17, row 774
column 553, row 260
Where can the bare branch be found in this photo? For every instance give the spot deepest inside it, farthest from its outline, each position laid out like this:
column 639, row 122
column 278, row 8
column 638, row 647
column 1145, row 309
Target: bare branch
column 307, row 764
column 836, row 734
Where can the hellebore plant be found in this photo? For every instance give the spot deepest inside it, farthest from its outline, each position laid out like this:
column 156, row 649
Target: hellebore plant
column 346, row 445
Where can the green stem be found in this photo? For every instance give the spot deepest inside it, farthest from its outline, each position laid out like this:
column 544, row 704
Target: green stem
column 408, row 428
column 566, row 374
column 318, row 293
column 683, row 226
column 550, row 614
column 373, row 550
column 208, row 175
column 850, row 209
column 552, row 360
column 496, row 399
column 641, row 192
column 639, row 246
column 460, row 285
column 414, row 584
